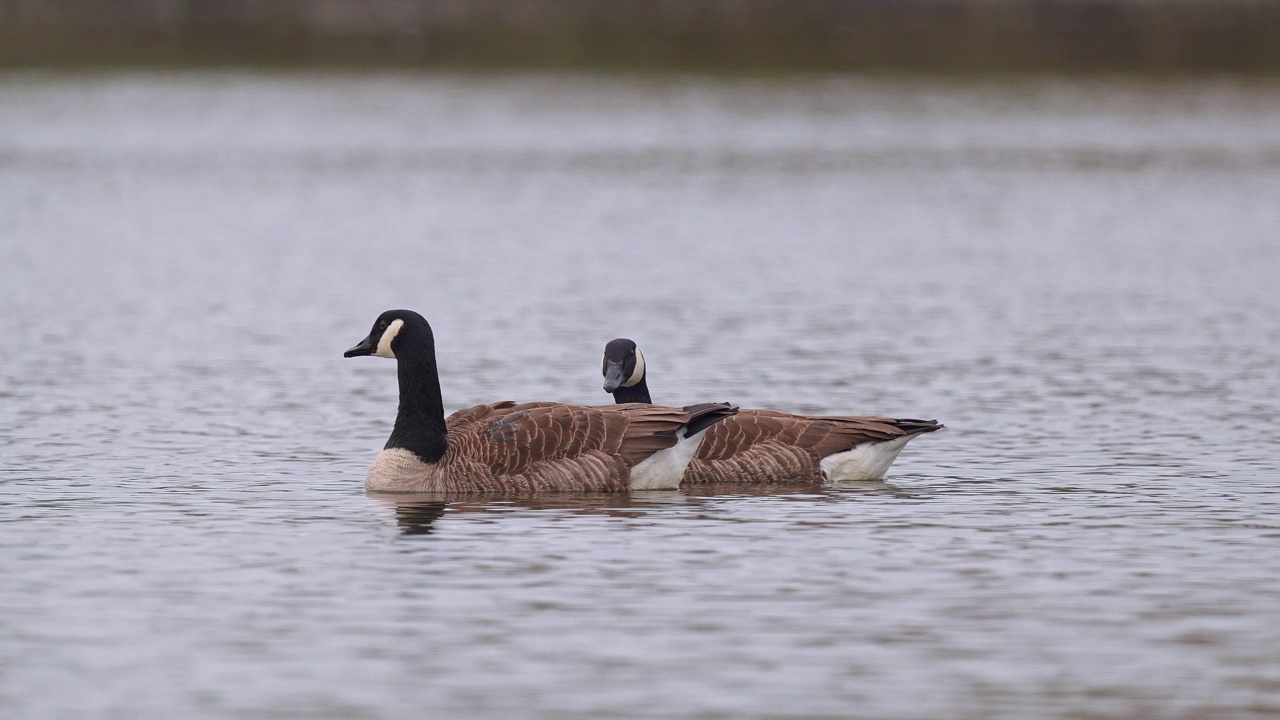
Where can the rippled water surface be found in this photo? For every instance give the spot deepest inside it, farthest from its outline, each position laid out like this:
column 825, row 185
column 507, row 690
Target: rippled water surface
column 1081, row 281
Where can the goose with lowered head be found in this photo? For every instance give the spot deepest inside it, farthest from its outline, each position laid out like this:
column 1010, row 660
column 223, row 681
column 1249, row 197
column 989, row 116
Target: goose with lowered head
column 531, row 447
column 766, row 446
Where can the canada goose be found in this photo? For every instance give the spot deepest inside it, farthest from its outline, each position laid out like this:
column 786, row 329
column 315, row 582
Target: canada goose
column 761, row 446
column 532, row 447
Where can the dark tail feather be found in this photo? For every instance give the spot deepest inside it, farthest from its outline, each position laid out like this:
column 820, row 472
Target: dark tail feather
column 705, row 415
column 916, row 427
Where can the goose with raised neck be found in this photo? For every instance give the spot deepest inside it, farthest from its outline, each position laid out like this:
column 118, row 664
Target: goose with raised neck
column 504, row 447
column 767, row 446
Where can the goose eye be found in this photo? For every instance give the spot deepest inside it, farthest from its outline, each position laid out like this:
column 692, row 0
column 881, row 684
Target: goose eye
column 382, row 324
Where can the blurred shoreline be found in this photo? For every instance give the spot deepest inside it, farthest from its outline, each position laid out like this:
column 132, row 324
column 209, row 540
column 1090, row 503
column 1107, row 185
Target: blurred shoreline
column 946, row 37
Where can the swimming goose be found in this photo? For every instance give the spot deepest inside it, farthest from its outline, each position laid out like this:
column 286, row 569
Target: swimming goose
column 762, row 446
column 532, row 447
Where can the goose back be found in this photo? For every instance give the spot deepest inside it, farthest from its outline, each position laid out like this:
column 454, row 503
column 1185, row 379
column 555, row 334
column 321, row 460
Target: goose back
column 539, row 447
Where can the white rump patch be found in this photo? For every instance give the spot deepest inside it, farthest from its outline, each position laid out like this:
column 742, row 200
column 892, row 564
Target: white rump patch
column 384, row 342
column 664, row 469
column 636, row 375
column 867, row 461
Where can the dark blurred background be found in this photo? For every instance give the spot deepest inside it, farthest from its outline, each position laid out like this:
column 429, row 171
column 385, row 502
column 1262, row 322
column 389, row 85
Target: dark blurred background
column 757, row 36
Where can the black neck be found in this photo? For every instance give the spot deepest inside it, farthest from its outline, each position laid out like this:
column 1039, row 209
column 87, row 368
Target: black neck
column 638, row 393
column 419, row 424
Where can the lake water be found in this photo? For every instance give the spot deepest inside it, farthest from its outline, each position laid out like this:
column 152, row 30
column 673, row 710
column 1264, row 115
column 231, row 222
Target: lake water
column 1082, row 280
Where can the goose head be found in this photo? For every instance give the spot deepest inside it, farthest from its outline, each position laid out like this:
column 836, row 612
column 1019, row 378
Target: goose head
column 623, row 365
column 391, row 332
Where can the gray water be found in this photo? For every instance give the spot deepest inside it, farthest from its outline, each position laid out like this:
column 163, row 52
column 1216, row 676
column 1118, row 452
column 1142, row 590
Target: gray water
column 1080, row 280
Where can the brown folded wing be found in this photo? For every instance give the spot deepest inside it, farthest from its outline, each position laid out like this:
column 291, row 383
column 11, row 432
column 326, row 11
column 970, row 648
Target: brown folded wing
column 549, row 446
column 767, row 446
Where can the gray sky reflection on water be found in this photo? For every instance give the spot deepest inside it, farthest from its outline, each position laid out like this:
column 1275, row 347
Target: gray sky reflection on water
column 1077, row 278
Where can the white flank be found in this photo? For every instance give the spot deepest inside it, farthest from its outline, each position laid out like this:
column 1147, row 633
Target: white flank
column 664, row 469
column 638, row 374
column 384, row 342
column 868, row 461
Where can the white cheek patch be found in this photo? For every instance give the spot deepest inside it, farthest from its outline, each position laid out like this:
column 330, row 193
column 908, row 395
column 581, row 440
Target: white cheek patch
column 384, row 342
column 638, row 374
